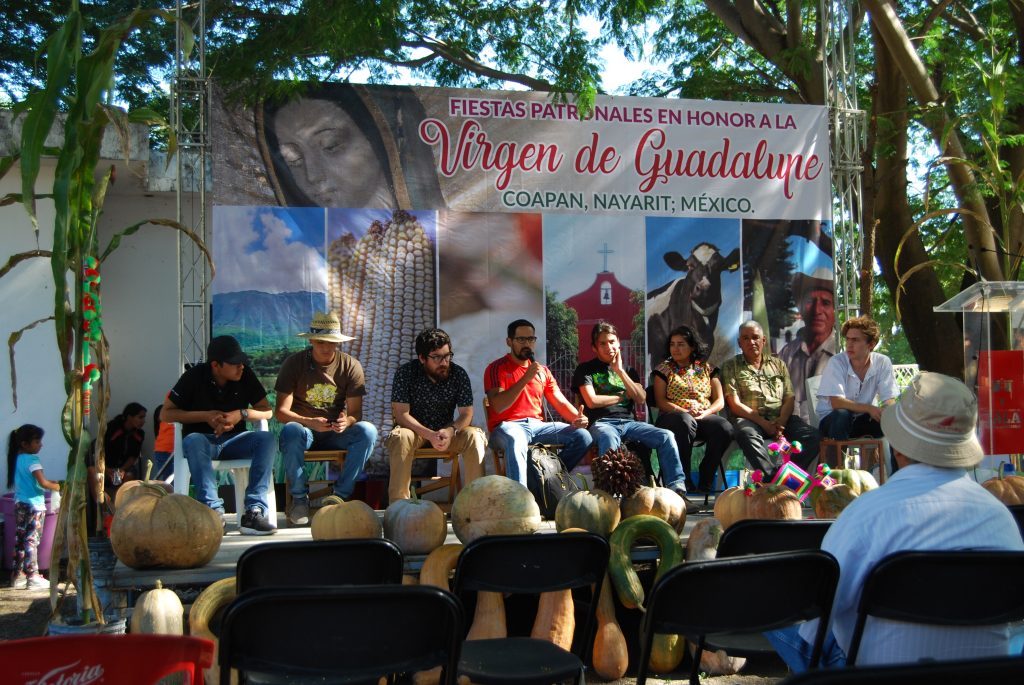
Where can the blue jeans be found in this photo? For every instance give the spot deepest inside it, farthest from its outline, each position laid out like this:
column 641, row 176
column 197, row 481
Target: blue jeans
column 796, row 651
column 201, row 449
column 840, row 424
column 610, row 433
column 514, row 437
column 358, row 440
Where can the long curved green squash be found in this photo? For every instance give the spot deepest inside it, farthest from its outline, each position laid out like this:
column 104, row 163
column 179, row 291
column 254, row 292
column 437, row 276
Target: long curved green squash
column 620, row 566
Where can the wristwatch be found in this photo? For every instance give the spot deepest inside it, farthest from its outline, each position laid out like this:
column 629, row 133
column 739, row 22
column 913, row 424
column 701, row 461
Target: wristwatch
column 245, row 414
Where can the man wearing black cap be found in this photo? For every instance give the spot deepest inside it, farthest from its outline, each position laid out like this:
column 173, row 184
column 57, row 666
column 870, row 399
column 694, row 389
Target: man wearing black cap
column 213, row 401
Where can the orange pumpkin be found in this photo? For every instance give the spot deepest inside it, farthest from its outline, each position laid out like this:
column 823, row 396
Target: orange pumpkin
column 659, row 502
column 417, row 526
column 344, row 521
column 774, row 502
column 731, row 506
column 1008, row 489
column 595, row 511
column 494, row 505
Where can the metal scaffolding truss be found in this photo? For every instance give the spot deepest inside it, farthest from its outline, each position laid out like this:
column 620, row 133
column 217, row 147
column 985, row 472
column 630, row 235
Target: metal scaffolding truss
column 842, row 20
column 190, row 122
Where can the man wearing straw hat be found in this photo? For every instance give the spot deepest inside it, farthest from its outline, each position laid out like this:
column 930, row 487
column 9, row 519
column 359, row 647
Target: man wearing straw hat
column 931, row 503
column 320, row 402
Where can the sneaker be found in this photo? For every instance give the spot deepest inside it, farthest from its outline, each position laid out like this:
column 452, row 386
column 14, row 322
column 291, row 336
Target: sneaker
column 255, row 523
column 298, row 515
column 37, row 582
column 19, row 582
column 691, row 507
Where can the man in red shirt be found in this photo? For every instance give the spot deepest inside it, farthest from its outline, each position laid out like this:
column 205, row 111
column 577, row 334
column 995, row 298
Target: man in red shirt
column 516, row 386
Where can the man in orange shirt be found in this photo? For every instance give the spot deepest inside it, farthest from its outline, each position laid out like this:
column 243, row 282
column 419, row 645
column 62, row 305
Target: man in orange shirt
column 516, row 386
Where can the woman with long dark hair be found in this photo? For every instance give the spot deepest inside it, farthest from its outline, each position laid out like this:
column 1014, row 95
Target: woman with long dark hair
column 688, row 394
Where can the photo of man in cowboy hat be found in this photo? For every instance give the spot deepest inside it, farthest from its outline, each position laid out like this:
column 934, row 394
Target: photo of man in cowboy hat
column 320, row 402
column 808, row 353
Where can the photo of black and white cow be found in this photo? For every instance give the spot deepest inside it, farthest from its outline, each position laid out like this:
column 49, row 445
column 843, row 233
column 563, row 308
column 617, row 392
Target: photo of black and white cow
column 693, row 300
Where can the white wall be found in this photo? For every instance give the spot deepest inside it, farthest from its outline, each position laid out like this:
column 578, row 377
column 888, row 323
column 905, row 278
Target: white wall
column 140, row 311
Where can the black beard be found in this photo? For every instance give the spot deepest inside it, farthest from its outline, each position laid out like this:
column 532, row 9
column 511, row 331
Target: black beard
column 439, row 375
column 525, row 355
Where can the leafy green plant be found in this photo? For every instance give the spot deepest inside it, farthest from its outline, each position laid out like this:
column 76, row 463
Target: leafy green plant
column 75, row 99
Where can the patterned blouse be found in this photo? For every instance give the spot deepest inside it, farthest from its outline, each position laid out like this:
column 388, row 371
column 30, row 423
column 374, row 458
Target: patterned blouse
column 689, row 387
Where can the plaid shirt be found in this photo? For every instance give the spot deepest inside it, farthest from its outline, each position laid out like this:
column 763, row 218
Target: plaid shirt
column 763, row 390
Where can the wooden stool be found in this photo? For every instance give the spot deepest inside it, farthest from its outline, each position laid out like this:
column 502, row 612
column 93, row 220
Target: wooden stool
column 435, row 482
column 313, row 456
column 877, row 445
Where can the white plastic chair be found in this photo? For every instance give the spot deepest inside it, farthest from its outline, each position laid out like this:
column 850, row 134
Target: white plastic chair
column 239, row 469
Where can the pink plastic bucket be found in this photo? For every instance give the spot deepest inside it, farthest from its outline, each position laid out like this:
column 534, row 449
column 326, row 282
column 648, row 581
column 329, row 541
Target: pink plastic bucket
column 45, row 541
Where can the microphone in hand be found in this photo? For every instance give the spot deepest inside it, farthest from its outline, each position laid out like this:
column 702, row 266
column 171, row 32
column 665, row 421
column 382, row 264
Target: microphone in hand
column 528, row 353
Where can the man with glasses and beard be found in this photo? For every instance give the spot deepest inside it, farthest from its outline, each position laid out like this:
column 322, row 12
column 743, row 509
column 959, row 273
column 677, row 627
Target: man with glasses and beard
column 425, row 394
column 516, row 386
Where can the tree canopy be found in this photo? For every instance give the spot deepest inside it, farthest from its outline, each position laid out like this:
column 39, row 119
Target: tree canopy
column 935, row 75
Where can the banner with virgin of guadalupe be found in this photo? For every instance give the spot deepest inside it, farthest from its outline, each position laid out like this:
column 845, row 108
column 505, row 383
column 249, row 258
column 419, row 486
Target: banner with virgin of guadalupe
column 405, row 208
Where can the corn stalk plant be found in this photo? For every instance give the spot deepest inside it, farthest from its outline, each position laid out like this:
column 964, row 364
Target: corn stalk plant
column 75, row 100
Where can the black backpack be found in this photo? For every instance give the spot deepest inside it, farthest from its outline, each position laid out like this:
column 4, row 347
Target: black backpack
column 548, row 479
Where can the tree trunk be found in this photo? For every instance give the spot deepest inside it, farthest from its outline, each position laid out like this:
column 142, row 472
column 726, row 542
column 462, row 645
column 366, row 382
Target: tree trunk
column 981, row 244
column 935, row 339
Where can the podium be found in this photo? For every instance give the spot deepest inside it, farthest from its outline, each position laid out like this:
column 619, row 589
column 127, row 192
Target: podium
column 993, row 324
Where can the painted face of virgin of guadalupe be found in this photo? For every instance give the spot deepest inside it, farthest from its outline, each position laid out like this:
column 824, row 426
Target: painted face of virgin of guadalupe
column 326, row 153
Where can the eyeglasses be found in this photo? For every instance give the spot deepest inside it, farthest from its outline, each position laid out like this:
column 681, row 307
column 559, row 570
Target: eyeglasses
column 523, row 339
column 438, row 358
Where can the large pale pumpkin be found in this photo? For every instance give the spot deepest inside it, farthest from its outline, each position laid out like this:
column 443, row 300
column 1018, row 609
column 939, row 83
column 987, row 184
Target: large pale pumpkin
column 1008, row 489
column 417, row 526
column 595, row 511
column 859, row 481
column 660, row 502
column 346, row 521
column 203, row 614
column 494, row 505
column 158, row 612
column 131, row 489
column 829, row 502
column 774, row 502
column 157, row 529
column 731, row 506
column 702, row 543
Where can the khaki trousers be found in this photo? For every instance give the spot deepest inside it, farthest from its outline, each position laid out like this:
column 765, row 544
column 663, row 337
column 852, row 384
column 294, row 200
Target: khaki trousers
column 470, row 443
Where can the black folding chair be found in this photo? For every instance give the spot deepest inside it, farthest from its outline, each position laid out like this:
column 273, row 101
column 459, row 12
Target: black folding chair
column 530, row 564
column 304, row 563
column 350, row 634
column 948, row 588
column 700, row 600
column 754, row 536
column 999, row 671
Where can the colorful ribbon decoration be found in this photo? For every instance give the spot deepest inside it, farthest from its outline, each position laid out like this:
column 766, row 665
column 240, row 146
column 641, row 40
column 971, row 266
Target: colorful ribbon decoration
column 92, row 328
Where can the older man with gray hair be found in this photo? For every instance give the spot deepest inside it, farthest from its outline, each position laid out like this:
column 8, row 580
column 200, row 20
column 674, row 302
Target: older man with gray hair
column 760, row 397
column 931, row 503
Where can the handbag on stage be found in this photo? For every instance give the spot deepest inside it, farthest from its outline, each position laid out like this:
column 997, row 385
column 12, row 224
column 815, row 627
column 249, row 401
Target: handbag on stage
column 548, row 479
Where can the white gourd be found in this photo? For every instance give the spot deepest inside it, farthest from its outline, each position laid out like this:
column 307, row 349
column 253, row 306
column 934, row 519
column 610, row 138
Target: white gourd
column 158, row 612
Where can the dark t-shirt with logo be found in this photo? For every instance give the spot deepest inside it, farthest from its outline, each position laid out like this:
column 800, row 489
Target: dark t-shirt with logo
column 598, row 374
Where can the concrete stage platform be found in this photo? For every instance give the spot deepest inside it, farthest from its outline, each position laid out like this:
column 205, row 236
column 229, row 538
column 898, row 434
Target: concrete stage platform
column 128, row 580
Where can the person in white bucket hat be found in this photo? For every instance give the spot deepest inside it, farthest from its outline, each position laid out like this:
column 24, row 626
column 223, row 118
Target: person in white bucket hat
column 320, row 402
column 931, row 503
